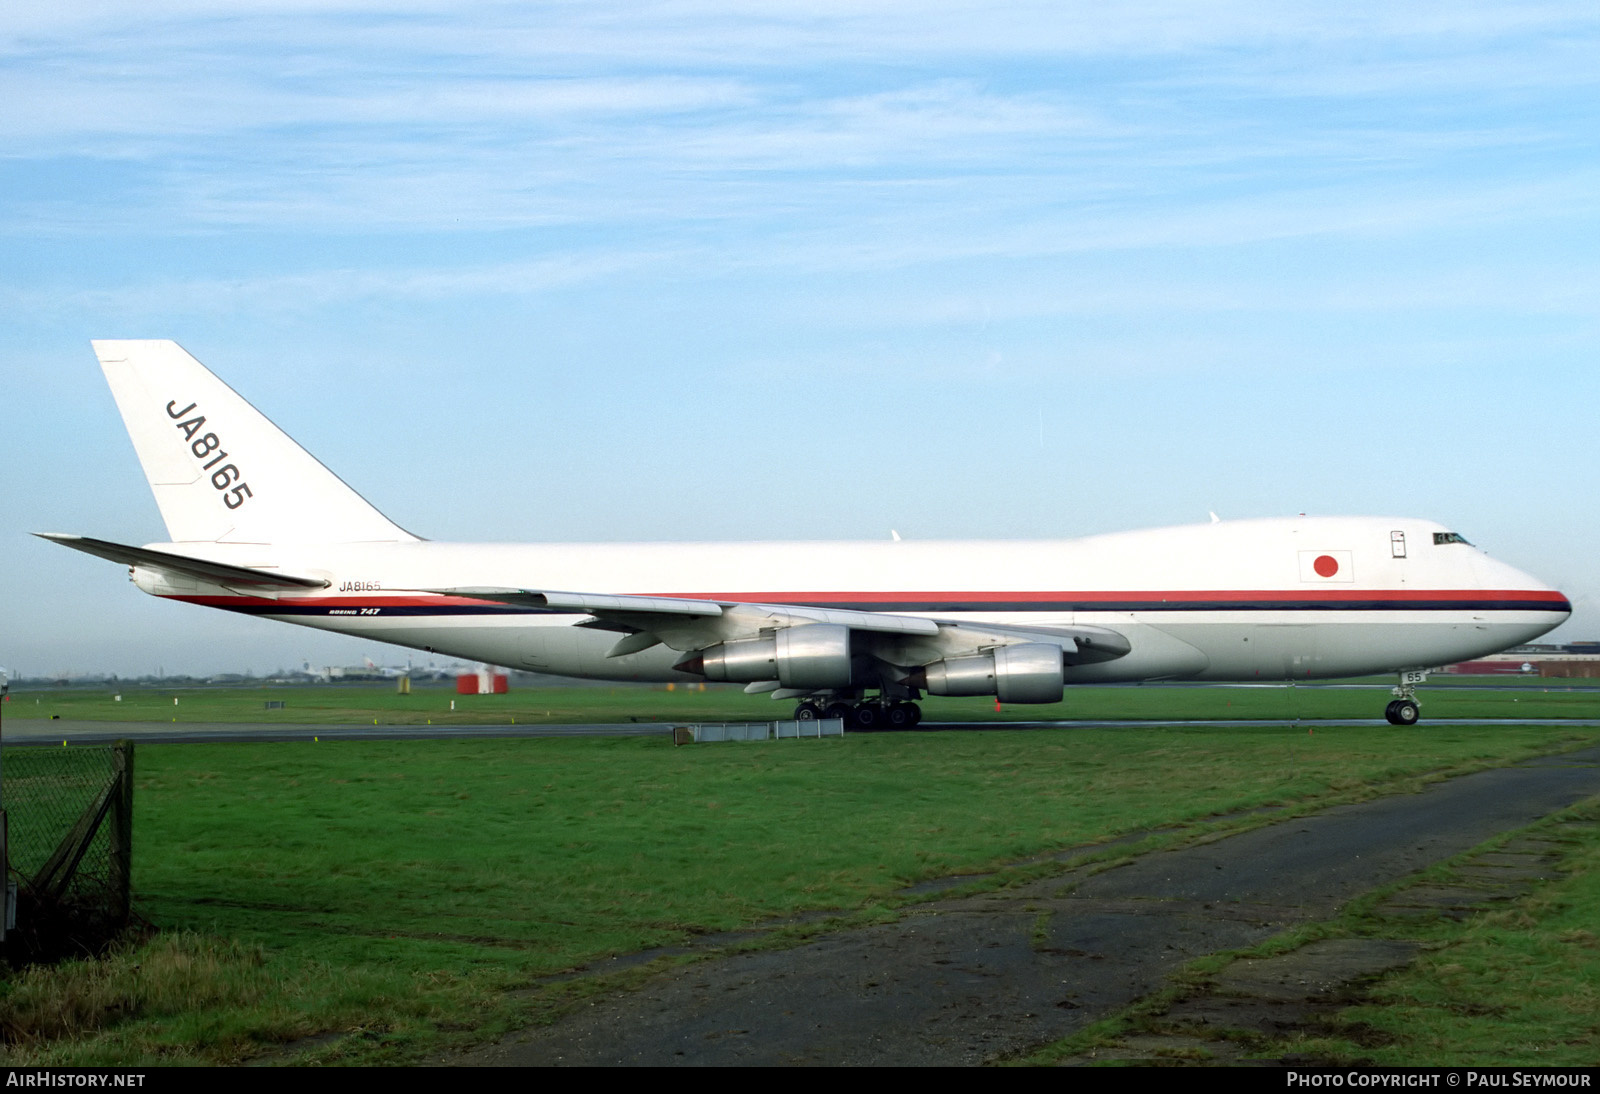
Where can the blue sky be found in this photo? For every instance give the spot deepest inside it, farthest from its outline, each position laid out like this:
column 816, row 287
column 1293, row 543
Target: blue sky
column 682, row 271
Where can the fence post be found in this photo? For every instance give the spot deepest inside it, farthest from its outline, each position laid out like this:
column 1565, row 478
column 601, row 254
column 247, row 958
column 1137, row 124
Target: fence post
column 121, row 834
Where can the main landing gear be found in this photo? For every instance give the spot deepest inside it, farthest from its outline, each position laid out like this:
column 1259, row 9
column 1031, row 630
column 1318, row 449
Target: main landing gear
column 1403, row 711
column 865, row 714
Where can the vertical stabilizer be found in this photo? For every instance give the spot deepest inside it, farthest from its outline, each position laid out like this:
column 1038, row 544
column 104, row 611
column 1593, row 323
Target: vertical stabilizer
column 220, row 470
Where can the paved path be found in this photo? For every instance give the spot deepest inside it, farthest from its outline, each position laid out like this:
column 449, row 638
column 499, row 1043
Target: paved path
column 974, row 980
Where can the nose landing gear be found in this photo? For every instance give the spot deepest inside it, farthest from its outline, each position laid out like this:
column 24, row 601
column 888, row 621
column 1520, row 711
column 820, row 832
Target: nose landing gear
column 1404, row 711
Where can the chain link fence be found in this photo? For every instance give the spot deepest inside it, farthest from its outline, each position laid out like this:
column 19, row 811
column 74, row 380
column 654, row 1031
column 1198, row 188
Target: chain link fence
column 69, row 814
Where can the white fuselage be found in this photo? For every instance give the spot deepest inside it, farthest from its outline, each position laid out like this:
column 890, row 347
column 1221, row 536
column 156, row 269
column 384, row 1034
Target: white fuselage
column 1236, row 600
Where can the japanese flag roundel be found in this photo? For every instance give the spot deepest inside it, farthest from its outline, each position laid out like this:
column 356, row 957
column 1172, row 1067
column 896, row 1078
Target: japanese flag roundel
column 1323, row 567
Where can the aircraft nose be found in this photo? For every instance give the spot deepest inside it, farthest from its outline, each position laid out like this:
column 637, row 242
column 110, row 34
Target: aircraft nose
column 1494, row 574
column 1541, row 605
column 1556, row 602
column 1522, row 590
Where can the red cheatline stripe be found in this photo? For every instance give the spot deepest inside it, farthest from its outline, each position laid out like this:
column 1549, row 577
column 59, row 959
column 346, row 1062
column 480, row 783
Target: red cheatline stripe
column 1195, row 596
column 343, row 601
column 1154, row 596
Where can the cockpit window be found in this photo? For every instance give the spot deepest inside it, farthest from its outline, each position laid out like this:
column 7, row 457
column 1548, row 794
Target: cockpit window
column 1449, row 537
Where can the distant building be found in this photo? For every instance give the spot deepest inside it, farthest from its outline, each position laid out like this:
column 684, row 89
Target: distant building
column 1572, row 660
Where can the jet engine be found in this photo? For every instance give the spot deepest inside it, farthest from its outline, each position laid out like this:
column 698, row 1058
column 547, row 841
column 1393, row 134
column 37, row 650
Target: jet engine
column 812, row 655
column 1029, row 672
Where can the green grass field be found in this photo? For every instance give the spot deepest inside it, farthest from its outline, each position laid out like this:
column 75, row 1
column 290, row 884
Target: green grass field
column 1527, row 973
column 380, row 901
column 360, row 704
column 1513, row 985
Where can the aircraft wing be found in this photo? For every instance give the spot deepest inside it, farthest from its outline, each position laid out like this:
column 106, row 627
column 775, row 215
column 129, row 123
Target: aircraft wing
column 686, row 624
column 199, row 569
column 590, row 603
column 691, row 625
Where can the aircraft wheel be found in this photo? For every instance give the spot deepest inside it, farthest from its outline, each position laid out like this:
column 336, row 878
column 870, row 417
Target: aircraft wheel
column 843, row 711
column 807, row 712
column 916, row 714
column 868, row 716
column 899, row 716
column 1402, row 712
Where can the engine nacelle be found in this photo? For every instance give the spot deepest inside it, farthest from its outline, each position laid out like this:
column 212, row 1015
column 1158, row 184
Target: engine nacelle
column 1030, row 672
column 812, row 655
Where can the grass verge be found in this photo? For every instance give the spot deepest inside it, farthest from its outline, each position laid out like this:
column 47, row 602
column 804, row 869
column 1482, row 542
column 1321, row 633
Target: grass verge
column 377, row 902
column 1513, row 985
column 362, row 704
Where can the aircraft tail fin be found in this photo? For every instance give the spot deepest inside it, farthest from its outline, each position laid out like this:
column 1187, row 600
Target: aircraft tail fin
column 220, row 470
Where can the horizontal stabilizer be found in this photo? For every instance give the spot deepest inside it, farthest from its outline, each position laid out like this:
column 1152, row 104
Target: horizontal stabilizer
column 217, row 573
